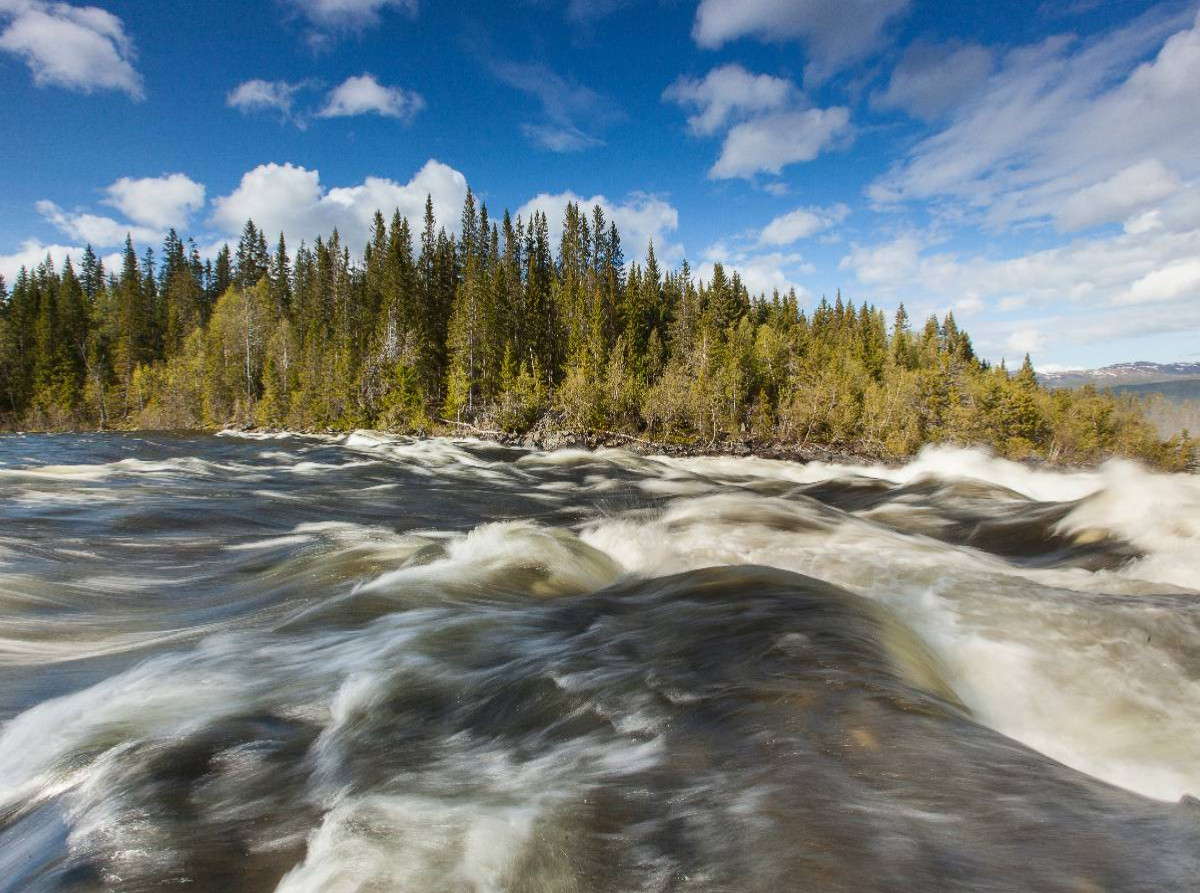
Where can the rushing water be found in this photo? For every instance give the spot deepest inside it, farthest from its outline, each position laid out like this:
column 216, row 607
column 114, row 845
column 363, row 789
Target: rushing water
column 318, row 664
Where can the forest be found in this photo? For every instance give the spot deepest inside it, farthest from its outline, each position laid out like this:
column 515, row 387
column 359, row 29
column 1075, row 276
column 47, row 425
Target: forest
column 494, row 329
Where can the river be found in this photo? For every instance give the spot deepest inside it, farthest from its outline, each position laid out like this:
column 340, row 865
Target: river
column 368, row 663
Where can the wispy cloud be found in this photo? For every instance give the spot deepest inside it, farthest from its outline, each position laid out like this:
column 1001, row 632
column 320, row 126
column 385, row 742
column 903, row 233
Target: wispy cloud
column 328, row 19
column 360, row 95
column 573, row 115
column 258, row 95
column 802, row 223
column 836, row 33
column 932, row 80
column 1057, row 121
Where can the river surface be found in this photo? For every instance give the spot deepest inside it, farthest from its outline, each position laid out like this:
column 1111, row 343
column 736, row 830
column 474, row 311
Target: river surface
column 374, row 664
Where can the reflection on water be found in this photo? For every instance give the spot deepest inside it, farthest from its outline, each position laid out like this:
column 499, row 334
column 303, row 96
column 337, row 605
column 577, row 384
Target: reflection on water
column 366, row 663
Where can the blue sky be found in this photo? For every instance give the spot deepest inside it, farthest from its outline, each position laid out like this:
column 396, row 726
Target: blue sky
column 1032, row 166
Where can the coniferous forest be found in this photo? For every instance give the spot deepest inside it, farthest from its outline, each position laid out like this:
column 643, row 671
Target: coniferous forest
column 497, row 330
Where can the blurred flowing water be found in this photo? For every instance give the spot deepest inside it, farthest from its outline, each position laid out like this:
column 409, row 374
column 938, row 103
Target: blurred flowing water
column 370, row 663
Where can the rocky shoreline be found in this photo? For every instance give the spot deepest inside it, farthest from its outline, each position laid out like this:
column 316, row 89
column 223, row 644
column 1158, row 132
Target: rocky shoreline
column 547, row 437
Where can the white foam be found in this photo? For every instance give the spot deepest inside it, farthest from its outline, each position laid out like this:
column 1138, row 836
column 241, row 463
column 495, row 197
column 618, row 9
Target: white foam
column 1158, row 513
column 1104, row 690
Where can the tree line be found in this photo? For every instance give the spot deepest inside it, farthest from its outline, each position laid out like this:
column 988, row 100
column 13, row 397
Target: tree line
column 497, row 329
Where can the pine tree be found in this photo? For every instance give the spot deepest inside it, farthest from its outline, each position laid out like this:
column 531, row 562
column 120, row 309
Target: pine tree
column 281, row 277
column 222, row 276
column 252, row 260
column 903, row 351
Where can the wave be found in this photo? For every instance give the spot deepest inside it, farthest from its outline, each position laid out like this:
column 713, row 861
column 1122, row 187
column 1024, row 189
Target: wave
column 346, row 663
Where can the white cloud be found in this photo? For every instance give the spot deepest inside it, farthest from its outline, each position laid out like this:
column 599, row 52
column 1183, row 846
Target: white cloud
column 31, row 253
column 932, row 79
column 768, row 121
column 802, row 223
column 1060, row 117
column 101, row 232
column 264, row 96
column 641, row 219
column 762, row 274
column 349, row 15
column 153, row 204
column 729, row 93
column 364, row 95
column 291, row 199
column 1092, row 272
column 82, row 48
column 1170, row 283
column 1026, row 341
column 771, row 142
column 836, row 33
column 1119, row 197
column 159, row 202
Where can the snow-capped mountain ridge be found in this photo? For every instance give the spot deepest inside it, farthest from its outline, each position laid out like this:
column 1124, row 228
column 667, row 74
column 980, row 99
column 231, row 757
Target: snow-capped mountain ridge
column 1138, row 372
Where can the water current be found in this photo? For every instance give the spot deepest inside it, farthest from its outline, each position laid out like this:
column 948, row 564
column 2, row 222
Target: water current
column 371, row 663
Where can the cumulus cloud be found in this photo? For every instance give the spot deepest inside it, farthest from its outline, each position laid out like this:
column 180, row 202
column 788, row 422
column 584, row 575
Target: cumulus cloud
column 260, row 95
column 96, row 230
column 291, row 199
column 573, row 115
column 836, row 33
column 641, row 219
column 762, row 274
column 933, row 79
column 31, row 253
column 802, row 223
column 772, row 142
column 1060, row 117
column 1026, row 341
column 364, row 95
column 153, row 204
column 82, row 48
column 159, row 202
column 727, row 94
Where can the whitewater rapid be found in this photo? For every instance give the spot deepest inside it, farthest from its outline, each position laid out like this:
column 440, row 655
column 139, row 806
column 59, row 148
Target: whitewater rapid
column 370, row 662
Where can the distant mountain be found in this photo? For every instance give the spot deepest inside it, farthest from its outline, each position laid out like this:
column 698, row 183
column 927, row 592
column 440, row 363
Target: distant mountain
column 1172, row 389
column 1122, row 376
column 1175, row 391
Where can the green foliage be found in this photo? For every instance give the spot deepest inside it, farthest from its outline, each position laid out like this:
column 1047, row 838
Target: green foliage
column 494, row 328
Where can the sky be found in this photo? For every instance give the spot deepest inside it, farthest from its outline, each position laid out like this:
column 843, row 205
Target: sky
column 1033, row 167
